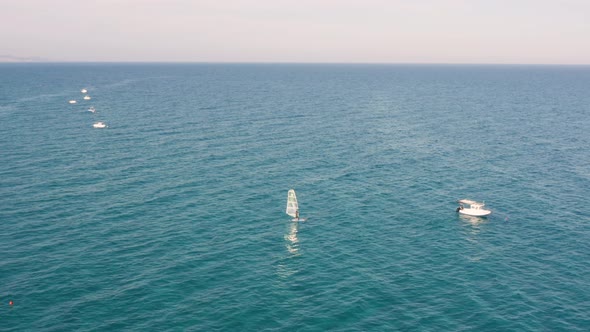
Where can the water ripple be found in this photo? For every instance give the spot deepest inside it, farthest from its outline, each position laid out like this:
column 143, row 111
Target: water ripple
column 173, row 218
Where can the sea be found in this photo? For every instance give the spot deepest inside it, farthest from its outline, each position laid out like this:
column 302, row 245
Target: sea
column 173, row 217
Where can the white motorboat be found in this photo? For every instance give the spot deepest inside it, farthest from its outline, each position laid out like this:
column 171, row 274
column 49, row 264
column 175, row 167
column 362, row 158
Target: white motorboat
column 99, row 125
column 83, row 90
column 72, row 101
column 87, row 97
column 472, row 208
column 91, row 109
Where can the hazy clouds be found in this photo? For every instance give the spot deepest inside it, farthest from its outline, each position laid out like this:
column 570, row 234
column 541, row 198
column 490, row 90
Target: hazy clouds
column 452, row 31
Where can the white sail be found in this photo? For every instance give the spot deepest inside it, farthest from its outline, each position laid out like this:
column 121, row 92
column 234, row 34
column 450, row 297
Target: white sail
column 292, row 205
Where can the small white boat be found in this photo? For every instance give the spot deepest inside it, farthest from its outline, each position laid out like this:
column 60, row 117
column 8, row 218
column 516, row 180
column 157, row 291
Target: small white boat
column 72, row 101
column 87, row 97
column 293, row 206
column 473, row 208
column 83, row 90
column 91, row 109
column 99, row 125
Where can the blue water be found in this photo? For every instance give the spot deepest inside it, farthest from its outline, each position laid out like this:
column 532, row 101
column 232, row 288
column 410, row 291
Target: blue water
column 173, row 217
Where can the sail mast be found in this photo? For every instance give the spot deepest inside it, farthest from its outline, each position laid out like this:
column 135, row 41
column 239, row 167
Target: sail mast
column 292, row 205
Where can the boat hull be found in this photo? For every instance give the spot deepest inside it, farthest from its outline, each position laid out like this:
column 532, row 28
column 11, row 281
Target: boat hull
column 475, row 212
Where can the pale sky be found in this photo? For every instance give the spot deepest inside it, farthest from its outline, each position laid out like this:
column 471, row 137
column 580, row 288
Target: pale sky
column 334, row 31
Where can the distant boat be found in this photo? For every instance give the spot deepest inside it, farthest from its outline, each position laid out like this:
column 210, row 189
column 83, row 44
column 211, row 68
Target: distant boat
column 72, row 101
column 87, row 97
column 473, row 208
column 293, row 206
column 91, row 109
column 83, row 90
column 99, row 125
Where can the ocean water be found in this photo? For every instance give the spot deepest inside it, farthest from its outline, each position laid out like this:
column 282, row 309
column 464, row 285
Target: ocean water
column 173, row 218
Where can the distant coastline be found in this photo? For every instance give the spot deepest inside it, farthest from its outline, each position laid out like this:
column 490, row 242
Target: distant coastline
column 3, row 61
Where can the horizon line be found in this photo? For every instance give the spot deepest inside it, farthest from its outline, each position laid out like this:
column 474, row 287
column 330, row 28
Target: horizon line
column 300, row 63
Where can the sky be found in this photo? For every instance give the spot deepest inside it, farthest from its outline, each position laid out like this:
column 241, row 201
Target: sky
column 299, row 31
